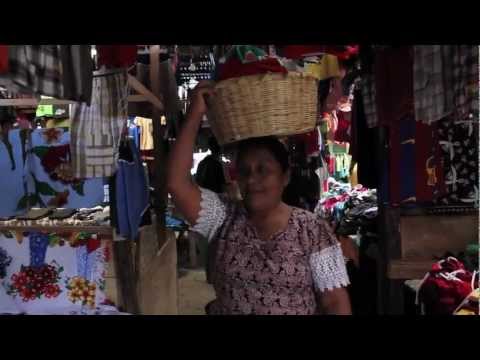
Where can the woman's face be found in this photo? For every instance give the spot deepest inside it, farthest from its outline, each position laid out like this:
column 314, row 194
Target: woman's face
column 261, row 179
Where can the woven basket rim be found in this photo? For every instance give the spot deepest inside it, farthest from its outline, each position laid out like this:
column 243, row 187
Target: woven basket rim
column 270, row 75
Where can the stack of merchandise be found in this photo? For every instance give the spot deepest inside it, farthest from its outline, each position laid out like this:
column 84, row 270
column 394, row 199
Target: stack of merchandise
column 349, row 209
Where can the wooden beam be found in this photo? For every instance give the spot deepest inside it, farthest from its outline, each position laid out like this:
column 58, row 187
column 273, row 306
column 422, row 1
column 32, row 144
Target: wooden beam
column 154, row 98
column 31, row 102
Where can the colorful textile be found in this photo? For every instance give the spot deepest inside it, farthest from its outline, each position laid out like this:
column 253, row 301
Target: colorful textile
column 49, row 275
column 459, row 155
column 13, row 172
column 300, row 51
column 97, row 129
column 234, row 68
column 246, row 54
column 50, row 176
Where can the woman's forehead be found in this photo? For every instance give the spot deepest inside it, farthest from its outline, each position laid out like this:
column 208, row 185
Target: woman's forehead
column 256, row 154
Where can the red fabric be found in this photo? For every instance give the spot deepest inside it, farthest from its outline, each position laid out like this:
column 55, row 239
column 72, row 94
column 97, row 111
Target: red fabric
column 299, row 51
column 442, row 296
column 116, row 56
column 234, row 68
column 3, row 59
column 344, row 123
column 310, row 140
column 394, row 84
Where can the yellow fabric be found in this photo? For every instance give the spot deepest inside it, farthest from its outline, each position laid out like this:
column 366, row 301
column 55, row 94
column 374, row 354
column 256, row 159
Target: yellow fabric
column 325, row 69
column 354, row 176
column 54, row 123
column 146, row 129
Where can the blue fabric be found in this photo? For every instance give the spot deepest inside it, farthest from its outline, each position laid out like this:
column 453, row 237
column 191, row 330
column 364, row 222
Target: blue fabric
column 93, row 190
column 132, row 196
column 11, row 181
column 407, row 158
column 38, row 248
column 134, row 133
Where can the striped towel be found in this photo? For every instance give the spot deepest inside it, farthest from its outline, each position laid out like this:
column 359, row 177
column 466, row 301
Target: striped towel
column 97, row 129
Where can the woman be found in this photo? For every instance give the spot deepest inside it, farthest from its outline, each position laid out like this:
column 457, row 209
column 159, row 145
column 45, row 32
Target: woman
column 270, row 258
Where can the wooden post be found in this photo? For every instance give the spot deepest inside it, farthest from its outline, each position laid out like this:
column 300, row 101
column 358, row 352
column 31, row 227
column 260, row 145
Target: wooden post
column 160, row 161
column 126, row 279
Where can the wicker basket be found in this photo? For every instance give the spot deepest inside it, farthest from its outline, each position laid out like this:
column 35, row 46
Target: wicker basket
column 262, row 105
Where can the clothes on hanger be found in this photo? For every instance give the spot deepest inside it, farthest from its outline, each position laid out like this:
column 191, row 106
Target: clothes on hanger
column 116, row 56
column 131, row 191
column 146, row 133
column 465, row 82
column 3, row 59
column 96, row 129
column 34, row 69
column 77, row 72
column 433, row 82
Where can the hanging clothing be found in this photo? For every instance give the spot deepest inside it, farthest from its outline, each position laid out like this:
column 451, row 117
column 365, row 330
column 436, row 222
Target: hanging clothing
column 432, row 82
column 96, row 129
column 368, row 89
column 394, row 84
column 116, row 56
column 326, row 68
column 146, row 133
column 465, row 82
column 459, row 154
column 77, row 65
column 35, row 69
column 131, row 191
column 3, row 59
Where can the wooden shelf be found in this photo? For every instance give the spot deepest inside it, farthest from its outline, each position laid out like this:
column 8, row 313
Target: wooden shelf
column 405, row 269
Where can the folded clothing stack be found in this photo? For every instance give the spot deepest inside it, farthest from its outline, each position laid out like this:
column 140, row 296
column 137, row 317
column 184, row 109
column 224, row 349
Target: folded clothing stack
column 245, row 60
column 347, row 208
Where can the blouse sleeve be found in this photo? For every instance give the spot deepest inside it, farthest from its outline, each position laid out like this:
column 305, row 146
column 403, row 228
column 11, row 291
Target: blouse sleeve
column 212, row 214
column 326, row 260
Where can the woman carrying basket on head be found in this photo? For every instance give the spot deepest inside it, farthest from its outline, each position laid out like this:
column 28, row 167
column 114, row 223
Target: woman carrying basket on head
column 269, row 258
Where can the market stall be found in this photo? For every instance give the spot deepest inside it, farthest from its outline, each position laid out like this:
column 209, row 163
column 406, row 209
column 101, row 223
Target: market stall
column 77, row 234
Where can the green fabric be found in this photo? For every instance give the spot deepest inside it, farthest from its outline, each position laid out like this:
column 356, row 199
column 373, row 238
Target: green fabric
column 44, row 110
column 246, row 53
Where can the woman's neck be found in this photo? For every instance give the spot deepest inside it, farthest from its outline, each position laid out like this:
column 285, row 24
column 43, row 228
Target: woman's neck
column 271, row 221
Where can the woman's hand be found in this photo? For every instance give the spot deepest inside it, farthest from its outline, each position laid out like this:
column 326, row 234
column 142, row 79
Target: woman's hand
column 198, row 104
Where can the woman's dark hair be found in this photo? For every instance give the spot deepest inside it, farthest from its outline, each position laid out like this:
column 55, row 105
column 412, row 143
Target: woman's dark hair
column 270, row 143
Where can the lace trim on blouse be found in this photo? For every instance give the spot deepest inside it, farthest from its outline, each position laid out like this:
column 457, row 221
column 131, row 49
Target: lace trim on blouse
column 211, row 216
column 328, row 269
